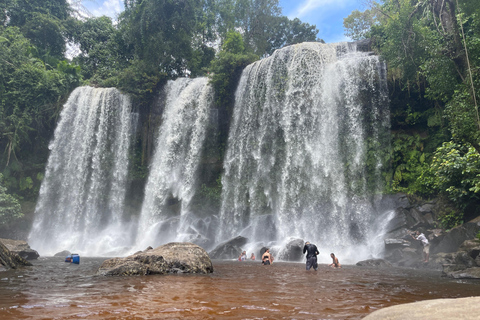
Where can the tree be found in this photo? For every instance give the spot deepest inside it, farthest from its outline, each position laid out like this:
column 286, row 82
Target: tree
column 358, row 24
column 9, row 206
column 160, row 32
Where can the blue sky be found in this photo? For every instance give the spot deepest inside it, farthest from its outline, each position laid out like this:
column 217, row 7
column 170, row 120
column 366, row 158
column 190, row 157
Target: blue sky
column 327, row 15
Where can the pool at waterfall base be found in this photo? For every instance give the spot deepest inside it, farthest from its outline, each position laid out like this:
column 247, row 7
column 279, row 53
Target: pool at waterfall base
column 52, row 289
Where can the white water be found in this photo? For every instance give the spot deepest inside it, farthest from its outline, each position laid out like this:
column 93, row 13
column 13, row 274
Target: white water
column 166, row 214
column 297, row 163
column 81, row 201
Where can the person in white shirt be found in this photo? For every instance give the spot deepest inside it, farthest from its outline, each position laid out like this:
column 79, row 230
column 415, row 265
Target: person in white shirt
column 426, row 246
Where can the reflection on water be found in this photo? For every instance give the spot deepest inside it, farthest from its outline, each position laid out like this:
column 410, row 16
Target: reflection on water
column 53, row 289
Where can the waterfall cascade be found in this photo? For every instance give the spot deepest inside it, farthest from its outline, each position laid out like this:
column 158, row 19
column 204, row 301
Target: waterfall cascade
column 309, row 131
column 81, row 201
column 310, row 127
column 166, row 214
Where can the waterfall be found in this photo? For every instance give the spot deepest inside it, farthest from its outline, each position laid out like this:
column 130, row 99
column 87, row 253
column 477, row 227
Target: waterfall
column 310, row 128
column 166, row 213
column 81, row 200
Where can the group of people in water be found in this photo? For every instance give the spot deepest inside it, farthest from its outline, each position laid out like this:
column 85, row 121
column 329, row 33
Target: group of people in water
column 310, row 249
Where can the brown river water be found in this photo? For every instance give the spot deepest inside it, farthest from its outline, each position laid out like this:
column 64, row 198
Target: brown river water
column 53, row 289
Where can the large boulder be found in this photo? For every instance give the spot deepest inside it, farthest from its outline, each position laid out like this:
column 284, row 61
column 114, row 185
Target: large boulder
column 378, row 263
column 174, row 257
column 293, row 250
column 63, row 253
column 230, row 249
column 461, row 308
column 470, row 273
column 451, row 241
column 10, row 260
column 21, row 248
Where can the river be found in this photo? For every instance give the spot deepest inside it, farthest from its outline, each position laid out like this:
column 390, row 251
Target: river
column 53, row 289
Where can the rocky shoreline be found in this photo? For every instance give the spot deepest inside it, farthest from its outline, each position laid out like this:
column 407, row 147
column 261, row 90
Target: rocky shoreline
column 455, row 252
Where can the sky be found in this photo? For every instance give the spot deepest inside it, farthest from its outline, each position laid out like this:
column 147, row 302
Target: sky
column 327, row 15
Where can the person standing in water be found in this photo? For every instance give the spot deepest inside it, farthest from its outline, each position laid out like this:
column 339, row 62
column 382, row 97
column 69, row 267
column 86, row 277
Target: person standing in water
column 335, row 263
column 267, row 258
column 312, row 253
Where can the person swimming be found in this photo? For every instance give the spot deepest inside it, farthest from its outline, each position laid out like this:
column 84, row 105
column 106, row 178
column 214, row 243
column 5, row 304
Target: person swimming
column 335, row 263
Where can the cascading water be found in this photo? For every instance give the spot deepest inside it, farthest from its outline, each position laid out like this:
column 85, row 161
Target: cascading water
column 310, row 127
column 81, row 199
column 166, row 214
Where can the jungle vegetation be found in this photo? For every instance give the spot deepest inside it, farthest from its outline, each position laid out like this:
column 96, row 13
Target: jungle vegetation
column 49, row 47
column 432, row 49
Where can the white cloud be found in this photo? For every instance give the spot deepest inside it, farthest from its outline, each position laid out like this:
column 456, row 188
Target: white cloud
column 110, row 8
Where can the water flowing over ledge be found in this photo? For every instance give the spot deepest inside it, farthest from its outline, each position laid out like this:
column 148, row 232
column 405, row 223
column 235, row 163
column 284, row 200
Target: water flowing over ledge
column 82, row 197
column 307, row 141
column 166, row 215
column 305, row 150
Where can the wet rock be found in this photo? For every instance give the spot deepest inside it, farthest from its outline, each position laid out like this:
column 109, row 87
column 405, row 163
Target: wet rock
column 292, row 251
column 63, row 253
column 410, row 258
column 21, row 248
column 415, row 219
column 470, row 273
column 426, row 208
column 461, row 308
column 230, row 249
column 391, row 244
column 174, row 257
column 471, row 247
column 399, row 221
column 398, row 200
column 451, row 241
column 11, row 260
column 379, row 263
column 402, row 233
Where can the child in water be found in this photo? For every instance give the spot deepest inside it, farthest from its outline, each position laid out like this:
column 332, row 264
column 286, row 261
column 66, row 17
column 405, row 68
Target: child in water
column 335, row 263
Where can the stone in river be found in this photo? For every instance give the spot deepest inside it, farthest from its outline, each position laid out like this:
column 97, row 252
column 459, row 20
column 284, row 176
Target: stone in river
column 461, row 308
column 380, row 263
column 21, row 248
column 174, row 257
column 10, row 260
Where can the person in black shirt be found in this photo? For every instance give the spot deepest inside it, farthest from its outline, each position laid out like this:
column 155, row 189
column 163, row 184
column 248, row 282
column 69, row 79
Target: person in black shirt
column 312, row 253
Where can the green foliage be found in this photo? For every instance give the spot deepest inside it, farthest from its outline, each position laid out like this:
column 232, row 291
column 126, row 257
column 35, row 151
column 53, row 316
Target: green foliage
column 451, row 219
column 9, row 206
column 31, row 94
column 478, row 235
column 227, row 69
column 409, row 162
column 212, row 193
column 358, row 24
column 103, row 52
column 455, row 172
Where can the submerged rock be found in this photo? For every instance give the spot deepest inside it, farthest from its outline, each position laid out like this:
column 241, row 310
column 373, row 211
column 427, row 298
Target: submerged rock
column 379, row 263
column 230, row 249
column 461, row 308
column 174, row 257
column 63, row 253
column 21, row 248
column 10, row 260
